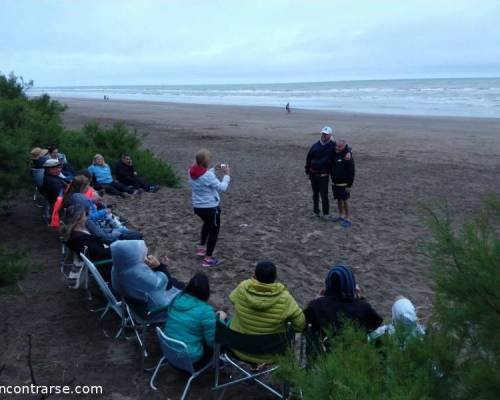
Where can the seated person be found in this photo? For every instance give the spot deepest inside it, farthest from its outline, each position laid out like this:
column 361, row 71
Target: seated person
column 104, row 179
column 263, row 306
column 91, row 193
column 78, row 239
column 340, row 299
column 53, row 184
column 404, row 322
column 67, row 170
column 38, row 157
column 141, row 277
column 191, row 320
column 125, row 173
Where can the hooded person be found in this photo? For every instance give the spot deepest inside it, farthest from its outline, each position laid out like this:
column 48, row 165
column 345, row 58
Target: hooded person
column 263, row 306
column 135, row 276
column 205, row 188
column 404, row 323
column 340, row 300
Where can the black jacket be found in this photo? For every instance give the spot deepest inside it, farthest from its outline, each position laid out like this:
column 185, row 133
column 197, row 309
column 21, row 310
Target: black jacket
column 125, row 173
column 319, row 158
column 96, row 251
column 342, row 170
column 52, row 186
column 326, row 313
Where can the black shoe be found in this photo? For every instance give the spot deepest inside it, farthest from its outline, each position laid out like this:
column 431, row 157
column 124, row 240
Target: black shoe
column 154, row 188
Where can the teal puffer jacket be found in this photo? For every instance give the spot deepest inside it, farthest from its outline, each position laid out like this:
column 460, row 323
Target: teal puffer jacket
column 191, row 321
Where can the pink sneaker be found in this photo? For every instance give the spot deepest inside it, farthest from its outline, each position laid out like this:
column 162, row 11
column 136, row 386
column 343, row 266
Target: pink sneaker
column 201, row 251
column 210, row 262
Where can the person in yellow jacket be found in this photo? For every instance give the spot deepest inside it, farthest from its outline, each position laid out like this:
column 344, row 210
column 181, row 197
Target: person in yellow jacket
column 263, row 306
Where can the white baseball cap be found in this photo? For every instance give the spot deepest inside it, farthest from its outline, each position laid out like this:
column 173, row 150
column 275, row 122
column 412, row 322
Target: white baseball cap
column 326, row 130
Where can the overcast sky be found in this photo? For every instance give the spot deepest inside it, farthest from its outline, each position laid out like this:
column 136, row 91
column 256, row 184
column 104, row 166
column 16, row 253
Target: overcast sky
column 171, row 42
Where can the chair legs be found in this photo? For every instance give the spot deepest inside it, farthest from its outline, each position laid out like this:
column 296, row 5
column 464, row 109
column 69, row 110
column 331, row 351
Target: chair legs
column 153, row 377
column 188, row 384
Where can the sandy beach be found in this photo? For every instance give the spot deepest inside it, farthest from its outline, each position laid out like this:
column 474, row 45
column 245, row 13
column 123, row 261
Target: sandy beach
column 402, row 163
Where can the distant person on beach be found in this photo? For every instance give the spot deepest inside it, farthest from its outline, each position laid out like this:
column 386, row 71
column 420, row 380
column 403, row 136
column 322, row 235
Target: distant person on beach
column 140, row 276
column 340, row 299
column 318, row 168
column 126, row 174
column 263, row 306
column 103, row 178
column 287, row 108
column 205, row 188
column 342, row 179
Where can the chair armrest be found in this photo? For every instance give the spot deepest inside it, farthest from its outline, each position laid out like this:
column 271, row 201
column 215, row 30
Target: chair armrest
column 157, row 310
column 102, row 262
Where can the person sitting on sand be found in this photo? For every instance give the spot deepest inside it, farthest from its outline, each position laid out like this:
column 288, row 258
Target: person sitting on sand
column 191, row 320
column 104, row 179
column 53, row 183
column 263, row 306
column 342, row 179
column 404, row 323
column 78, row 238
column 127, row 175
column 205, row 188
column 140, row 276
column 66, row 169
column 340, row 299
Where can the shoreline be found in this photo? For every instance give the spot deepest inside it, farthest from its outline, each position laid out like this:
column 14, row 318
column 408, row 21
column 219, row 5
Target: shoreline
column 307, row 110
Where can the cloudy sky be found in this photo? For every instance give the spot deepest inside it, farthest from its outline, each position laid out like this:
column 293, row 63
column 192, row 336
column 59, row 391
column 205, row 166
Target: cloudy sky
column 180, row 42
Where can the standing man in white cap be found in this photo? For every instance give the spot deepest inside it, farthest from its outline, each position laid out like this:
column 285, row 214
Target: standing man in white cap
column 318, row 168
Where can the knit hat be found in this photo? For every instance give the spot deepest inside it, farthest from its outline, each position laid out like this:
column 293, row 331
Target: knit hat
column 340, row 283
column 51, row 163
column 38, row 152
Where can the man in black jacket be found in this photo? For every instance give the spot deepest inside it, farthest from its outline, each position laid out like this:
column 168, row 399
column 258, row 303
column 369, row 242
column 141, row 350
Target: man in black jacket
column 342, row 179
column 318, row 167
column 53, row 184
column 125, row 173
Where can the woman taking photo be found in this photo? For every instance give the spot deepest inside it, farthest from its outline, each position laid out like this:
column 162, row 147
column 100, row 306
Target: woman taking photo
column 206, row 188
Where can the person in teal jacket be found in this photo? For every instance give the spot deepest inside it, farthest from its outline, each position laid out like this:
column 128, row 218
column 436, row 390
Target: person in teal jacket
column 191, row 320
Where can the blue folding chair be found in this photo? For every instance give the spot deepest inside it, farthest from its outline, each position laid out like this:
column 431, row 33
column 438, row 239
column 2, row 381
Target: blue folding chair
column 176, row 354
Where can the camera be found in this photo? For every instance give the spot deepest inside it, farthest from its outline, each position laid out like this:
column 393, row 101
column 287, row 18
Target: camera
column 223, row 166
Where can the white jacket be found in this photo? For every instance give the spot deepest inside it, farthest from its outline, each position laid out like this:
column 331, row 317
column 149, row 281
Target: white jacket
column 206, row 189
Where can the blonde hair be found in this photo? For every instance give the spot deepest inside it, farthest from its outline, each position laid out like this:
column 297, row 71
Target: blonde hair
column 202, row 156
column 69, row 223
column 97, row 156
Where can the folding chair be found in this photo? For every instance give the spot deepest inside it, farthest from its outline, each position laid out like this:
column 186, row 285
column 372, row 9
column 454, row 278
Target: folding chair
column 176, row 354
column 72, row 267
column 273, row 344
column 112, row 304
column 139, row 319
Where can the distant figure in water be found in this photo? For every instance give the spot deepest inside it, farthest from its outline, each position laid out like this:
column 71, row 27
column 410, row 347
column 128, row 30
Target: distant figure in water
column 287, row 108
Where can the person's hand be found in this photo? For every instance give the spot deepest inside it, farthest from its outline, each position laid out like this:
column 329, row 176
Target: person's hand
column 358, row 292
column 165, row 260
column 227, row 170
column 322, row 292
column 221, row 314
column 152, row 261
column 348, row 189
column 348, row 156
column 135, row 172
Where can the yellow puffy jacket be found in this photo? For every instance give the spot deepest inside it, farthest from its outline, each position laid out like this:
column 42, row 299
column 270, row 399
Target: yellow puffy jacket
column 263, row 308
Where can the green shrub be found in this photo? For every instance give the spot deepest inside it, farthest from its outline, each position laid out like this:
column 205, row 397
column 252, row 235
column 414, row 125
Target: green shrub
column 29, row 122
column 12, row 266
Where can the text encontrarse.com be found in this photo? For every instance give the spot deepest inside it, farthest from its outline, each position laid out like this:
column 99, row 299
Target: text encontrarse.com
column 52, row 389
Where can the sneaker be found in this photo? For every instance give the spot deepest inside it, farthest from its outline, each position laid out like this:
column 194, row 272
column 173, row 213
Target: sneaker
column 201, row 251
column 154, row 188
column 337, row 219
column 346, row 223
column 210, row 262
column 138, row 191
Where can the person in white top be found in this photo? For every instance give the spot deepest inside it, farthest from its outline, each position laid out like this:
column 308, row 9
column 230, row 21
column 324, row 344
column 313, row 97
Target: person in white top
column 205, row 188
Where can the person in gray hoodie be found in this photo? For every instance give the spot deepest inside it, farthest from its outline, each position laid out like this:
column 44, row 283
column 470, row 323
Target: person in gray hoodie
column 141, row 277
column 205, row 188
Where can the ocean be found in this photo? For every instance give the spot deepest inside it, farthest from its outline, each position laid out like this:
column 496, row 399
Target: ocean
column 471, row 97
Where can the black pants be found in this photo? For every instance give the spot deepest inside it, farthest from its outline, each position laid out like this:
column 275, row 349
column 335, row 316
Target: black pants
column 136, row 182
column 210, row 228
column 320, row 187
column 115, row 188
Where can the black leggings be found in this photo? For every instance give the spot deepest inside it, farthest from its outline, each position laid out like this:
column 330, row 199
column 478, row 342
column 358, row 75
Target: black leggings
column 210, row 228
column 115, row 188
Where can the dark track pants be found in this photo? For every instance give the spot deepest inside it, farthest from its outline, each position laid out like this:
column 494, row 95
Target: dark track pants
column 210, row 228
column 320, row 187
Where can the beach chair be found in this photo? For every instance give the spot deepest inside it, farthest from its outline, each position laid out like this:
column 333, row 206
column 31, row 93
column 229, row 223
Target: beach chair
column 176, row 354
column 139, row 319
column 112, row 304
column 73, row 268
column 227, row 340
